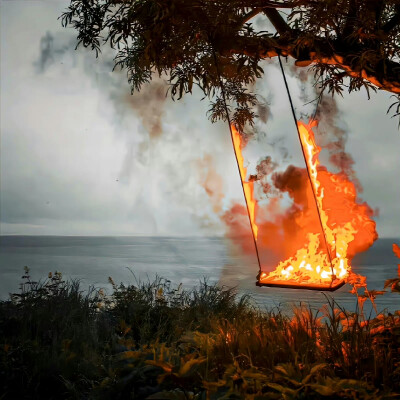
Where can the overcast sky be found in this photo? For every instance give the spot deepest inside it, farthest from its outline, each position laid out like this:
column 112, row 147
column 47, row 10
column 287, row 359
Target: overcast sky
column 79, row 156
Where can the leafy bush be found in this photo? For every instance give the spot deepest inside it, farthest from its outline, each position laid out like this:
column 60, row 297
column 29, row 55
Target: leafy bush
column 155, row 341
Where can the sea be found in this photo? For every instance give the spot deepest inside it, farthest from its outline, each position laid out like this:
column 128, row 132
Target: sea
column 186, row 260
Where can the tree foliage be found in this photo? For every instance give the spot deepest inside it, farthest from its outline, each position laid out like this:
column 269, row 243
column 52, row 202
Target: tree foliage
column 215, row 45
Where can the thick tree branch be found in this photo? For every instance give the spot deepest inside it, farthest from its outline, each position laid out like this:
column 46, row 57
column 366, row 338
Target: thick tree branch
column 388, row 79
column 350, row 19
column 277, row 21
column 249, row 16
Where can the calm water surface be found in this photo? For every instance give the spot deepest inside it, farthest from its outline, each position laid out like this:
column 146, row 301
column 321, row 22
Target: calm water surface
column 186, row 260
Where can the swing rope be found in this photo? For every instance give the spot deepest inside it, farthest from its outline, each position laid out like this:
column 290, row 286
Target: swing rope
column 236, row 157
column 302, row 149
column 305, row 159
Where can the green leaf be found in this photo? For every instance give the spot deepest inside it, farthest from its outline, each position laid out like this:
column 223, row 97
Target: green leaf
column 214, row 386
column 167, row 367
column 257, row 376
column 282, row 370
column 282, row 389
column 188, row 368
column 314, row 370
column 323, row 390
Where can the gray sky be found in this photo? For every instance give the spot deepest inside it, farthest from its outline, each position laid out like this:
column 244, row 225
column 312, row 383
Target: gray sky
column 79, row 156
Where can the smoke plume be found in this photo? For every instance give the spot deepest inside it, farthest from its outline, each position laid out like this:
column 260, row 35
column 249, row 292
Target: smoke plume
column 149, row 106
column 334, row 138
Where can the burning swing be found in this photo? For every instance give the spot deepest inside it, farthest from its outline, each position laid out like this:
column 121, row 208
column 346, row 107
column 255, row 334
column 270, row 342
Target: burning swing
column 321, row 264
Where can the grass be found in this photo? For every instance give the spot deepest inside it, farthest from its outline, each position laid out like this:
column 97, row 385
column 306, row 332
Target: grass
column 155, row 341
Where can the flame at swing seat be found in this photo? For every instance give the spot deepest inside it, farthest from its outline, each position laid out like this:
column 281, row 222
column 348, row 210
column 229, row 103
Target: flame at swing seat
column 345, row 222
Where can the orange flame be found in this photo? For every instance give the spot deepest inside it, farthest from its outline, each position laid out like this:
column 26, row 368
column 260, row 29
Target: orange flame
column 248, row 187
column 346, row 224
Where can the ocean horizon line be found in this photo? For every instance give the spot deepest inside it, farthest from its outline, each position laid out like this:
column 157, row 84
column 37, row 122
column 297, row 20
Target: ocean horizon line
column 143, row 236
column 115, row 236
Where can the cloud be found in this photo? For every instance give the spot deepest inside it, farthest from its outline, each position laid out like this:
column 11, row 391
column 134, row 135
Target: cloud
column 79, row 154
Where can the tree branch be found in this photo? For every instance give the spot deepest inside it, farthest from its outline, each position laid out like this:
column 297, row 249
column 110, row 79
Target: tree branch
column 277, row 21
column 249, row 16
column 350, row 19
column 321, row 53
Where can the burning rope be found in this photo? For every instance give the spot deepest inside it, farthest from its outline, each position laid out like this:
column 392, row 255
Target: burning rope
column 308, row 171
column 236, row 157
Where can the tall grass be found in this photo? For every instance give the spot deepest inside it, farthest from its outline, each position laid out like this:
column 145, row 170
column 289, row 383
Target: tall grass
column 157, row 341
